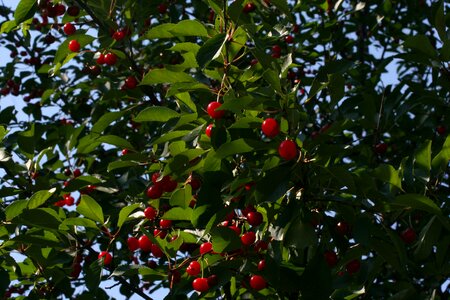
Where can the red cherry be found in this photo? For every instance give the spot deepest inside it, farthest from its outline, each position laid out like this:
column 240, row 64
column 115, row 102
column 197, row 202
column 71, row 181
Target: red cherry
column 276, row 55
column 119, row 35
column 150, row 213
column 194, row 268
column 107, row 258
column 249, row 7
column 213, row 280
column 254, row 218
column 248, row 238
column 200, row 285
column 270, row 127
column 441, row 130
column 169, row 185
column 235, row 229
column 289, row 39
column 132, row 243
column 69, row 200
column 145, row 244
column 131, row 82
column 76, row 173
column 101, row 59
column 343, row 228
column 261, row 265
column 156, row 251
column 74, row 46
column 159, row 233
column 353, row 266
column 165, row 223
column 69, row 29
column 154, row 192
column 162, row 8
column 208, row 130
column 73, row 11
column 206, row 248
column 125, row 151
column 408, row 235
column 276, row 49
column 260, row 246
column 257, row 282
column 152, row 264
column 212, row 112
column 76, row 270
column 194, row 182
column 60, row 9
column 110, row 59
column 331, row 258
column 156, row 178
column 381, row 148
column 288, row 149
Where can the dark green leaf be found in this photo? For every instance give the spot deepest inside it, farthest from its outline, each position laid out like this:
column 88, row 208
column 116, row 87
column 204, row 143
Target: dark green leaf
column 417, row 201
column 156, row 114
column 178, row 213
column 39, row 198
column 89, row 208
column 225, row 240
column 125, row 212
column 165, row 76
column 211, row 49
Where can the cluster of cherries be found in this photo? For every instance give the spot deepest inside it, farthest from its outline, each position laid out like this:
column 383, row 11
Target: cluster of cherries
column 287, row 149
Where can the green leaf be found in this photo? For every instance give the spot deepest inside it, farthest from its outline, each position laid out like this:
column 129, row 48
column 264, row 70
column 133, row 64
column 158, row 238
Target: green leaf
column 120, row 164
column 15, row 209
column 78, row 222
column 178, row 213
column 125, row 212
column 40, row 217
column 283, row 6
column 211, row 49
column 422, row 161
column 440, row 161
column 105, row 120
column 89, row 208
column 224, row 240
column 239, row 146
column 181, row 197
column 428, row 238
column 300, row 235
column 8, row 26
column 115, row 141
column 272, row 78
column 336, row 86
column 39, row 198
column 182, row 28
column 172, row 135
column 422, row 44
column 156, row 114
column 387, row 173
column 417, row 201
column 93, row 275
column 439, row 21
column 4, row 281
column 24, row 10
column 157, row 76
column 273, row 185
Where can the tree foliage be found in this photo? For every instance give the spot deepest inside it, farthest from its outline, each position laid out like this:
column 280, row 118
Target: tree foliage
column 116, row 166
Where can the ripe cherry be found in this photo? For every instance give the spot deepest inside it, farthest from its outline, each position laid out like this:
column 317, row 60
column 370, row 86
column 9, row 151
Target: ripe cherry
column 200, row 285
column 100, row 59
column 289, row 39
column 73, row 11
column 194, row 268
column 343, row 228
column 145, row 244
column 74, row 46
column 208, row 130
column 119, row 35
column 248, row 238
column 353, row 266
column 132, row 243
column 236, row 229
column 107, row 258
column 261, row 264
column 213, row 280
column 69, row 29
column 156, row 251
column 213, row 112
column 408, row 235
column 165, row 223
column 257, row 282
column 131, row 82
column 110, row 59
column 260, row 246
column 76, row 270
column 162, row 8
column 276, row 49
column 154, row 191
column 331, row 258
column 206, row 248
column 381, row 148
column 254, row 218
column 441, row 130
column 287, row 149
column 270, row 127
column 194, row 182
column 69, row 200
column 150, row 213
column 169, row 185
column 249, row 7
column 159, row 233
column 76, row 173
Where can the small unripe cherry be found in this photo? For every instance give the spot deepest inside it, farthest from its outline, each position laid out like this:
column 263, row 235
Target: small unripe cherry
column 287, row 150
column 107, row 258
column 270, row 127
column 213, row 112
